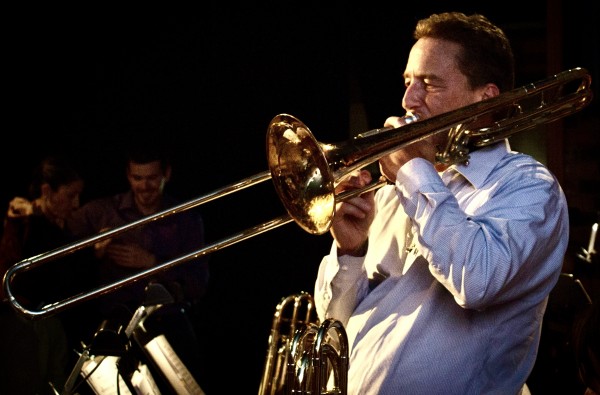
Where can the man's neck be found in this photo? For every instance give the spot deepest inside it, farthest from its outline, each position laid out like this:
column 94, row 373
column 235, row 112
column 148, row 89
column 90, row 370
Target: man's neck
column 146, row 209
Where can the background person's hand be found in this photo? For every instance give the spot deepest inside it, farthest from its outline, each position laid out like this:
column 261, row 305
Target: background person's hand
column 130, row 255
column 19, row 207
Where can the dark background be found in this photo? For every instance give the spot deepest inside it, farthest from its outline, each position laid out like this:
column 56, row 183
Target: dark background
column 85, row 81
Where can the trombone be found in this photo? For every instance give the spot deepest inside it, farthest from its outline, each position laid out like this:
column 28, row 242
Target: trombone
column 305, row 171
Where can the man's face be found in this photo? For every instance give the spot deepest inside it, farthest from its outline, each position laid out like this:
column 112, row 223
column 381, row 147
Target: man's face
column 433, row 81
column 64, row 199
column 147, row 182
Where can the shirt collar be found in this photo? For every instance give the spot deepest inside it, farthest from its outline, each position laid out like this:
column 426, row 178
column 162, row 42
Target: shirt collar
column 126, row 202
column 481, row 162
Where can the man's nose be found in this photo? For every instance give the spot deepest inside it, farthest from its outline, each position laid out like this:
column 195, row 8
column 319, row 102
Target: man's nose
column 412, row 97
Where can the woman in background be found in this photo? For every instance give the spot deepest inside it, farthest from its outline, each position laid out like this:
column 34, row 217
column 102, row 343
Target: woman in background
column 34, row 353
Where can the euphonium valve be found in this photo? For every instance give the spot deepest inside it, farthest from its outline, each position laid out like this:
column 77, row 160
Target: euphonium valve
column 319, row 360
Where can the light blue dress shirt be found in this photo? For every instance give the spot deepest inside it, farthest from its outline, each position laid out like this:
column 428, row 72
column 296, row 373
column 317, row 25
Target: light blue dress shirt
column 450, row 296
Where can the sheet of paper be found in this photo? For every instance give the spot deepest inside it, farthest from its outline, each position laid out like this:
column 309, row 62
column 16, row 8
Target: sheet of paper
column 172, row 367
column 101, row 375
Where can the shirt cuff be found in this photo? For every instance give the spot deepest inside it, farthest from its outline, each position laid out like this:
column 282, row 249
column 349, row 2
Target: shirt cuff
column 407, row 180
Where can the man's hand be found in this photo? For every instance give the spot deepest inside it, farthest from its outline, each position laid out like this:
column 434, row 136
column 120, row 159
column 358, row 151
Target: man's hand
column 130, row 255
column 390, row 164
column 353, row 217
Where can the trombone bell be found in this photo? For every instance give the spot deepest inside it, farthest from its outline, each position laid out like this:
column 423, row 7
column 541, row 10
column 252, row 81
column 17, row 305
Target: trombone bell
column 302, row 177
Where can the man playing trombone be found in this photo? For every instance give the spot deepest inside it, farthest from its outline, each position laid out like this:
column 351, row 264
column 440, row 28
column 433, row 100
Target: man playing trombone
column 441, row 277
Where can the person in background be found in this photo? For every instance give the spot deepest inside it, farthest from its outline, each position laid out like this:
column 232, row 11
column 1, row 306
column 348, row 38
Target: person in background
column 148, row 170
column 35, row 353
column 441, row 278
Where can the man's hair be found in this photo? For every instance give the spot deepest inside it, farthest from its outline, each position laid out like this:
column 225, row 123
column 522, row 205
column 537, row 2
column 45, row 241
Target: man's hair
column 146, row 152
column 486, row 54
column 54, row 170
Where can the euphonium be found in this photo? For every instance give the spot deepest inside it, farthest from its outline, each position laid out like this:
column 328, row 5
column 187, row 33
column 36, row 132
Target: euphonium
column 303, row 355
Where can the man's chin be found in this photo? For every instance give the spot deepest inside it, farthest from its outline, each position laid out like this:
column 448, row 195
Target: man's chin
column 147, row 200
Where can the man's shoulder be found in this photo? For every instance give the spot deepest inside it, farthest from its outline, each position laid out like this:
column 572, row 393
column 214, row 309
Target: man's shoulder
column 522, row 163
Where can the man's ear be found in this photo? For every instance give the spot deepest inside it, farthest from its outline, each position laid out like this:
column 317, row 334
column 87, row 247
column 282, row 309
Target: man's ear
column 168, row 173
column 489, row 90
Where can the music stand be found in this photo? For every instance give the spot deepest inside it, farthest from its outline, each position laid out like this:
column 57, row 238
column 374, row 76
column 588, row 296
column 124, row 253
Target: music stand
column 111, row 340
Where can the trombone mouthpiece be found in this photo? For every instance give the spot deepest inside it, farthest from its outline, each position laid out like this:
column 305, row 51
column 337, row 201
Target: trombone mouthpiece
column 405, row 120
column 409, row 118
